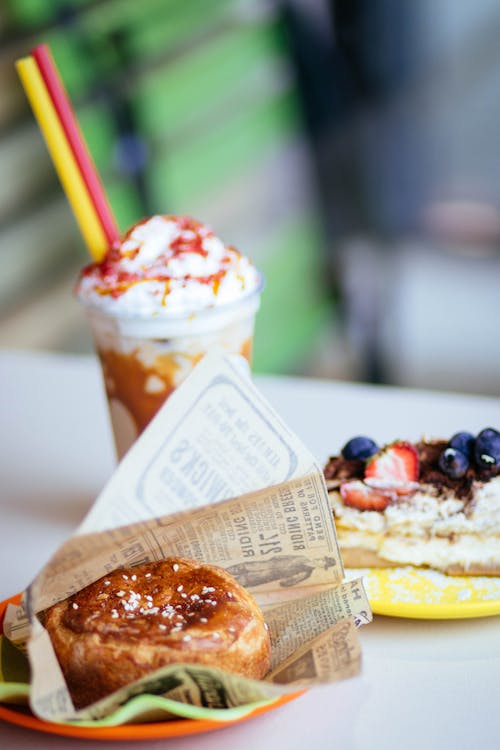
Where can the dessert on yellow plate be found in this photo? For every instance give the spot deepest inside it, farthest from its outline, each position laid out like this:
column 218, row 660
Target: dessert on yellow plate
column 434, row 503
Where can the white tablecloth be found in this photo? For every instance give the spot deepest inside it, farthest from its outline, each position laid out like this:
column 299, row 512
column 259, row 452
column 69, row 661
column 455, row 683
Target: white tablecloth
column 424, row 683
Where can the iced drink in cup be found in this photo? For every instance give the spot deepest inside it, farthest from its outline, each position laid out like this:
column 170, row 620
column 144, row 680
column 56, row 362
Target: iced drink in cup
column 169, row 292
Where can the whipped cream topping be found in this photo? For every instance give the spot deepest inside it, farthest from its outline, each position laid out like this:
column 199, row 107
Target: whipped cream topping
column 168, row 265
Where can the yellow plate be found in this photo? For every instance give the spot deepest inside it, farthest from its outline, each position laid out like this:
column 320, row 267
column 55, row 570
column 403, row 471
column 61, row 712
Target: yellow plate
column 428, row 594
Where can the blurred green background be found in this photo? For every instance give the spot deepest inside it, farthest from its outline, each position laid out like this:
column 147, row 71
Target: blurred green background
column 349, row 147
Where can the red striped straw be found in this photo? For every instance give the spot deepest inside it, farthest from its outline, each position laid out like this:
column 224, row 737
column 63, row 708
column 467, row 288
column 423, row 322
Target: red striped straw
column 67, row 118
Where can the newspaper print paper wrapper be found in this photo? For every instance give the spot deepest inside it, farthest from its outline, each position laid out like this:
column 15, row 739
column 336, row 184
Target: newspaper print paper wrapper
column 216, row 477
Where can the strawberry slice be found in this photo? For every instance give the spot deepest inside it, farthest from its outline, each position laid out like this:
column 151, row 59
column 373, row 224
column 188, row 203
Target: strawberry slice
column 357, row 494
column 399, row 488
column 396, row 465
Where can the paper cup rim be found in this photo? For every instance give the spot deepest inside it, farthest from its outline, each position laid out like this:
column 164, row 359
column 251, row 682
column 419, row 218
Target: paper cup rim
column 174, row 317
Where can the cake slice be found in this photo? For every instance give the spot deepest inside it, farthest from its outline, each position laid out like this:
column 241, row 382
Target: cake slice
column 433, row 504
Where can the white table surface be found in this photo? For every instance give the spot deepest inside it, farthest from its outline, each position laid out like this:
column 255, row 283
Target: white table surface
column 424, row 684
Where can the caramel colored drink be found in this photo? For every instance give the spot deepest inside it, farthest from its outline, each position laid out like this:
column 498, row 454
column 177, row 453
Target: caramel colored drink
column 156, row 305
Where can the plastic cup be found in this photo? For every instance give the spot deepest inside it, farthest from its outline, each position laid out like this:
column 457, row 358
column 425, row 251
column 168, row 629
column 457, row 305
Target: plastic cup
column 144, row 358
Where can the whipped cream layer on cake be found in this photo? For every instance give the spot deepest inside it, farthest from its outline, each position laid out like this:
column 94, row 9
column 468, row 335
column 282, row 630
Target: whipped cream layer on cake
column 425, row 504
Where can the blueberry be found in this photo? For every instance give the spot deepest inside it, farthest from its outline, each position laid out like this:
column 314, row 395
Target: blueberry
column 487, row 449
column 454, row 463
column 359, row 448
column 463, row 442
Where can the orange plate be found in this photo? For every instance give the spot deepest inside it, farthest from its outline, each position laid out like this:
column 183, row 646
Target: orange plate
column 156, row 730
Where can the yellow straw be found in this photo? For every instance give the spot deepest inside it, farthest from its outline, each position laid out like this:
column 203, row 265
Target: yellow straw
column 62, row 157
